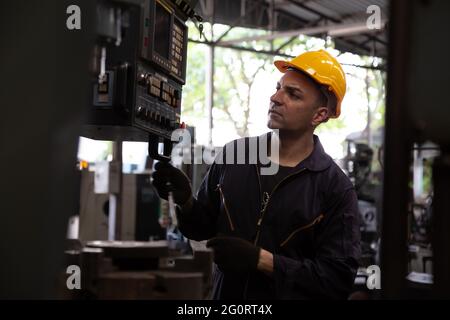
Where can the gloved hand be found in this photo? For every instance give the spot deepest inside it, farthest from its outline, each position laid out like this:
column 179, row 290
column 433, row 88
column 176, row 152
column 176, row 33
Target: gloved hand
column 180, row 185
column 234, row 254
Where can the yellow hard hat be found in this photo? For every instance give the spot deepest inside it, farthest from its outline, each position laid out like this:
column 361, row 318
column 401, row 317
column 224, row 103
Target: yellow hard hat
column 323, row 68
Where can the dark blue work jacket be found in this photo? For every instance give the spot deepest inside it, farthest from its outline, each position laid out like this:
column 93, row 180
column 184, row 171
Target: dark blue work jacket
column 310, row 223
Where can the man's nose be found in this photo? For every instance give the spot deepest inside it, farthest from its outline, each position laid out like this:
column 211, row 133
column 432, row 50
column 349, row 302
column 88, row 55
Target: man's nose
column 276, row 98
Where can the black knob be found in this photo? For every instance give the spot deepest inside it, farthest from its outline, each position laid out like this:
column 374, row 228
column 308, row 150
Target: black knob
column 146, row 114
column 139, row 111
column 142, row 78
column 151, row 114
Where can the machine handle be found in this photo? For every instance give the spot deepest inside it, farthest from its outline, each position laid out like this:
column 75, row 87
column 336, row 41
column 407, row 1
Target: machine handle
column 153, row 142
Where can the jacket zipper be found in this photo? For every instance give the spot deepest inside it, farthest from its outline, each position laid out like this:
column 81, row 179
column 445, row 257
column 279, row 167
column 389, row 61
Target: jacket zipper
column 222, row 196
column 266, row 202
column 309, row 225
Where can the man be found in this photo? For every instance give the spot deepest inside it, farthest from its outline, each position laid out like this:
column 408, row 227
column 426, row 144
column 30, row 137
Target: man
column 291, row 235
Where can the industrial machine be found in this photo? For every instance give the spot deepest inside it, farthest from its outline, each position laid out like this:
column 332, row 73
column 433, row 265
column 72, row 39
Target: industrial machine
column 139, row 68
column 358, row 166
column 139, row 62
column 140, row 210
column 136, row 270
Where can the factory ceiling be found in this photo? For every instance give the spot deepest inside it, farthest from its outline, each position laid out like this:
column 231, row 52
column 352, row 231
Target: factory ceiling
column 345, row 21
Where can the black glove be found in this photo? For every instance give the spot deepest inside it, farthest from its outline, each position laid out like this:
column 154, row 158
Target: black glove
column 180, row 185
column 234, row 254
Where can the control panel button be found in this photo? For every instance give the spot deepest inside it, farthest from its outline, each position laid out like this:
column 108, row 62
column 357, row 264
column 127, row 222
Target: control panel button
column 156, row 82
column 149, row 88
column 154, row 91
column 165, row 86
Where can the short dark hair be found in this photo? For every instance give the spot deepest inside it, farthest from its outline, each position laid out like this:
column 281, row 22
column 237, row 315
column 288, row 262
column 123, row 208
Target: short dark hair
column 330, row 99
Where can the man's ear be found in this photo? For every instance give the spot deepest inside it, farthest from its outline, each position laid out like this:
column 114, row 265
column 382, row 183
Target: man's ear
column 321, row 115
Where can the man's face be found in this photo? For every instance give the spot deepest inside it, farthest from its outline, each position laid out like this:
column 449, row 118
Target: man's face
column 294, row 105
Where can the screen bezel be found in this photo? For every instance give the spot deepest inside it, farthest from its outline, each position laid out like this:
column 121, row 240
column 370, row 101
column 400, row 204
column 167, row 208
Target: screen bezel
column 148, row 51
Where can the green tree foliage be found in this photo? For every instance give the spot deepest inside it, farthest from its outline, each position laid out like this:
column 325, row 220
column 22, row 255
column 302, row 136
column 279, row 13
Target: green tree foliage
column 194, row 92
column 236, row 71
column 234, row 80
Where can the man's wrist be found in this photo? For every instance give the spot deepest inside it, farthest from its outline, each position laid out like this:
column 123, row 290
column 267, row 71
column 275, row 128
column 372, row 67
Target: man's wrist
column 265, row 262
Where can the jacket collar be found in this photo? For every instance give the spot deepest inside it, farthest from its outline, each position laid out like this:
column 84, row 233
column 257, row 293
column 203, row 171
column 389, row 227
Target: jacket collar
column 318, row 160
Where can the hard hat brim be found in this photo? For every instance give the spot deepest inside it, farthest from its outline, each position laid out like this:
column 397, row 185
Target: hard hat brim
column 282, row 65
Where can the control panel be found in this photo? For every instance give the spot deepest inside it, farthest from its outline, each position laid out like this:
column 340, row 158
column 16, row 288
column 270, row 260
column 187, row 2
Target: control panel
column 158, row 102
column 140, row 68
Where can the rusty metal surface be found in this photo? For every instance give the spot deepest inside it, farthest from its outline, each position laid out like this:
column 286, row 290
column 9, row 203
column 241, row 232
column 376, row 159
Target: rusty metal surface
column 178, row 285
column 126, row 286
column 201, row 261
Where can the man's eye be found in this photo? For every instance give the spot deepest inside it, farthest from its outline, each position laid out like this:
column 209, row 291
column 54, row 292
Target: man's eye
column 294, row 96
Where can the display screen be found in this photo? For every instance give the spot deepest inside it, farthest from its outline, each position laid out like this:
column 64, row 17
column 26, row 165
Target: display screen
column 162, row 31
